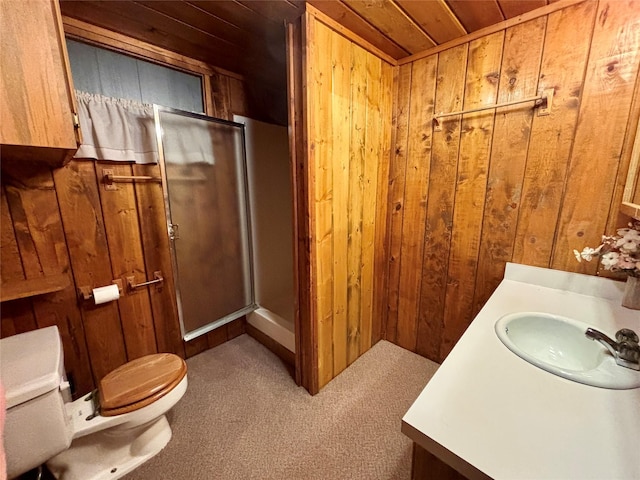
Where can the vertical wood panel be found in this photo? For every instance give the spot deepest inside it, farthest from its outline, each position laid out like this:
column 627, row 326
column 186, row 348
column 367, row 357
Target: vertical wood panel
column 388, row 85
column 358, row 114
column 426, row 466
column 344, row 121
column 236, row 328
column 529, row 188
column 125, row 247
column 81, row 213
column 196, row 346
column 341, row 98
column 10, row 262
column 519, row 79
column 319, row 84
column 565, row 53
column 34, row 196
column 155, row 244
column 307, row 162
column 397, row 176
column 217, row 337
column 304, row 329
column 237, row 98
column 370, row 194
column 220, row 96
column 17, row 315
column 481, row 88
column 610, row 79
column 441, row 195
column 415, row 205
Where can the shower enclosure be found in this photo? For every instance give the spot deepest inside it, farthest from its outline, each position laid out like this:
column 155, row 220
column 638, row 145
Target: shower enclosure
column 206, row 199
column 271, row 200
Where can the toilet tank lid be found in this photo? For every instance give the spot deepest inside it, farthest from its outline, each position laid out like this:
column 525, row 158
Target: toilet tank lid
column 30, row 364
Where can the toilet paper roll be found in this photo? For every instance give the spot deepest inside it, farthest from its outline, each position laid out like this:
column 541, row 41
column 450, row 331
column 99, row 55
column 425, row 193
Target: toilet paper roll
column 106, row 294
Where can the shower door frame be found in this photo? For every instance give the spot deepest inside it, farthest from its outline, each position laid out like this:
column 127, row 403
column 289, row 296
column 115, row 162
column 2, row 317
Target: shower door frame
column 248, row 267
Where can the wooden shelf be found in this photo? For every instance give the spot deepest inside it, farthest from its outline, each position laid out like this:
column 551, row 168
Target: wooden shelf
column 35, row 286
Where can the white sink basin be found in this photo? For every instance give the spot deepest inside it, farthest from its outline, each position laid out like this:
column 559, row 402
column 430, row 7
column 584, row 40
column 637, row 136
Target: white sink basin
column 559, row 346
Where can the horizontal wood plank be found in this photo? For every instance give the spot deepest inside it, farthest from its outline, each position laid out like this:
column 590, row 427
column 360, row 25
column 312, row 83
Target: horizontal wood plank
column 33, row 286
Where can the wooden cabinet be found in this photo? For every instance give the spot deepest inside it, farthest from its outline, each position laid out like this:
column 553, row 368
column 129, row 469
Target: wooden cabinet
column 426, row 466
column 37, row 103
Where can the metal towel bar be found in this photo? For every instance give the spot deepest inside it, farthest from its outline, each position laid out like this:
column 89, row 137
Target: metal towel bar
column 109, row 179
column 543, row 101
column 131, row 285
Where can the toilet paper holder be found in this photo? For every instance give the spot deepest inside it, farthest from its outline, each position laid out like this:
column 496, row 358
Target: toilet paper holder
column 86, row 293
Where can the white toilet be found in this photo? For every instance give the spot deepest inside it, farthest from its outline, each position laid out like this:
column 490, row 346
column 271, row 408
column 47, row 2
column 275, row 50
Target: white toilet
column 43, row 425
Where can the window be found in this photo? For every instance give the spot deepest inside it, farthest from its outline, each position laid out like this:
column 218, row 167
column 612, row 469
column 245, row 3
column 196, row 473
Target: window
column 102, row 71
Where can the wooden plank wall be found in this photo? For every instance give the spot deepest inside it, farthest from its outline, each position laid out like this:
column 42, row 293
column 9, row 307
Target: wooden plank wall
column 505, row 185
column 63, row 220
column 348, row 114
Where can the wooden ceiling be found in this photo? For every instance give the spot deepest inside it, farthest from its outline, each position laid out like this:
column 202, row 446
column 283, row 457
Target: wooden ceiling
column 247, row 36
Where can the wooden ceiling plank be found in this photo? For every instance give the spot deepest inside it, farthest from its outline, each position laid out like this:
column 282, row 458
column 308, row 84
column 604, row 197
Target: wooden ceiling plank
column 239, row 15
column 476, row 14
column 104, row 15
column 255, row 56
column 275, row 10
column 343, row 15
column 511, row 8
column 349, row 35
column 435, row 17
column 177, row 27
column 525, row 17
column 200, row 19
column 393, row 23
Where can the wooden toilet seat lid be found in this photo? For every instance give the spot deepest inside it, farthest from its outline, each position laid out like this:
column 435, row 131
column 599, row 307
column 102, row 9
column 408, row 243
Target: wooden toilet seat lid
column 140, row 382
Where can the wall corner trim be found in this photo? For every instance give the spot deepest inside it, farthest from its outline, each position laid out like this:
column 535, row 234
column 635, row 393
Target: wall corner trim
column 349, row 35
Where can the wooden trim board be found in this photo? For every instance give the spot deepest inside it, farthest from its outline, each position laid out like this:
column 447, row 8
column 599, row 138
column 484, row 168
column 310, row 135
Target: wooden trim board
column 349, row 35
column 79, row 30
column 33, row 286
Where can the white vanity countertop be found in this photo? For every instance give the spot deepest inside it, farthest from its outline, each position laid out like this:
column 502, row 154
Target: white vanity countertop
column 489, row 413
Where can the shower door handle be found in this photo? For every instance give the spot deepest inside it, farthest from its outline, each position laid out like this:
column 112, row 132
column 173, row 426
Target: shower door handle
column 174, row 233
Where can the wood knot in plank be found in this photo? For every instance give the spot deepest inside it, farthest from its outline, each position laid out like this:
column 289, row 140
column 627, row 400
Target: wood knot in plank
column 612, row 66
column 602, row 18
column 493, row 77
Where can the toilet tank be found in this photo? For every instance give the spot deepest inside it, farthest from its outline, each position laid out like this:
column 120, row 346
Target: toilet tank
column 37, row 425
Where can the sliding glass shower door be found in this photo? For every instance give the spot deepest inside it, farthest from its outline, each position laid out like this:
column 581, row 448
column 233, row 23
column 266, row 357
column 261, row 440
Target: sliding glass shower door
column 204, row 177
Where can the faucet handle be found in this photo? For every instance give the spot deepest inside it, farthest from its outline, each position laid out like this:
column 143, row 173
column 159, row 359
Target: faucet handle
column 626, row 335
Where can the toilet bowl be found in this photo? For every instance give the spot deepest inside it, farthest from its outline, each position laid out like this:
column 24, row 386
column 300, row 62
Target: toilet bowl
column 105, row 434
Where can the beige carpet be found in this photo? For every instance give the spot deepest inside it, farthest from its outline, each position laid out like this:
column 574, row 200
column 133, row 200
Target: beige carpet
column 243, row 417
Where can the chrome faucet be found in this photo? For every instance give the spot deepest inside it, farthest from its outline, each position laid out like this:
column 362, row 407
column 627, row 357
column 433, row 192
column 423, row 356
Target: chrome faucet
column 626, row 350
